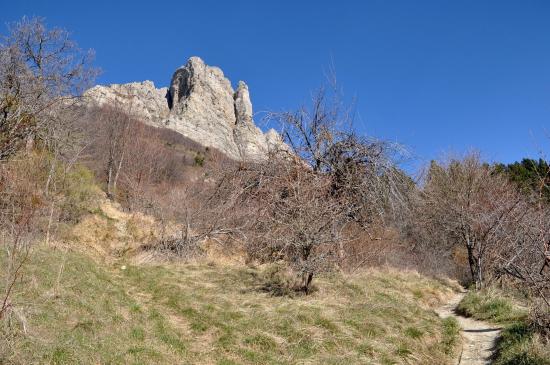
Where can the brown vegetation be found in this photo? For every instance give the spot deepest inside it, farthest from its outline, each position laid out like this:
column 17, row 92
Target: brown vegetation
column 41, row 72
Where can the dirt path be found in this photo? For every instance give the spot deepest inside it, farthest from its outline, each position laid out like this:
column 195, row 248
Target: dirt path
column 478, row 338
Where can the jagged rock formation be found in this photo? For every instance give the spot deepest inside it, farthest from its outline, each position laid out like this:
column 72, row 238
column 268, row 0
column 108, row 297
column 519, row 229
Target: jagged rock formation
column 200, row 104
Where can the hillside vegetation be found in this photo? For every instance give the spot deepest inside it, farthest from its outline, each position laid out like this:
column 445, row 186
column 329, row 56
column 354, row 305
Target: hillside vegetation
column 124, row 242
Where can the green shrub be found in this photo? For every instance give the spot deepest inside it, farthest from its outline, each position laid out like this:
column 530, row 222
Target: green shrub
column 199, row 160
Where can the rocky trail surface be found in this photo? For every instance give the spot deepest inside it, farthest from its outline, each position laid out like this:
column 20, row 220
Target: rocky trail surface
column 478, row 337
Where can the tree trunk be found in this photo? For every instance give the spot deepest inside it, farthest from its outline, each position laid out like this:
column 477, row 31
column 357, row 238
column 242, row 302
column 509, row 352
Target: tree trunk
column 50, row 221
column 50, row 176
column 479, row 283
column 472, row 262
column 119, row 167
column 109, row 178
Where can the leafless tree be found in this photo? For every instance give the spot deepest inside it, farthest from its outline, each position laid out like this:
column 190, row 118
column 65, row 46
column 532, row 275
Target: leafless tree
column 41, row 71
column 472, row 207
column 112, row 126
column 301, row 201
column 362, row 168
column 205, row 211
column 293, row 218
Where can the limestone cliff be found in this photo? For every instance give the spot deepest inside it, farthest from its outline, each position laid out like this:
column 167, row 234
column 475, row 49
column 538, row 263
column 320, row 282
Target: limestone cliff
column 200, row 104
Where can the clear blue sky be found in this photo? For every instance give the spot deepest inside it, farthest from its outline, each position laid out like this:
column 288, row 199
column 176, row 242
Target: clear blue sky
column 437, row 76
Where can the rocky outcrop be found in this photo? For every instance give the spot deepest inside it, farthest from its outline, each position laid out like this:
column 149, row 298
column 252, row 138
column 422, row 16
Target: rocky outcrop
column 201, row 105
column 141, row 99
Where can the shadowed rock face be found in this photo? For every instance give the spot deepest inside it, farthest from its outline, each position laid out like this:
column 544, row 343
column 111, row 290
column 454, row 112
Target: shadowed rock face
column 200, row 104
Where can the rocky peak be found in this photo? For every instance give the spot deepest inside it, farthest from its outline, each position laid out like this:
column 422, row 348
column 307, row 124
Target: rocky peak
column 200, row 104
column 197, row 80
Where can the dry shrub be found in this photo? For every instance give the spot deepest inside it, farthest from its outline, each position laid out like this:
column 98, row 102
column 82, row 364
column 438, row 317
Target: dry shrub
column 278, row 280
column 111, row 232
column 380, row 246
column 20, row 206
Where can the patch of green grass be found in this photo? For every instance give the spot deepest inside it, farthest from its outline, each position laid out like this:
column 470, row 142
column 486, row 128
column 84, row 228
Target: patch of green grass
column 226, row 362
column 490, row 305
column 92, row 319
column 61, row 355
column 137, row 333
column 260, row 342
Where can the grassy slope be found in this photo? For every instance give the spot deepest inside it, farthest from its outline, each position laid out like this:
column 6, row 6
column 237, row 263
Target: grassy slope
column 518, row 344
column 211, row 314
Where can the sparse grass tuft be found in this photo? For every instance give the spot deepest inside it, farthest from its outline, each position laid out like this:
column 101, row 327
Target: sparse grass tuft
column 413, row 332
column 451, row 335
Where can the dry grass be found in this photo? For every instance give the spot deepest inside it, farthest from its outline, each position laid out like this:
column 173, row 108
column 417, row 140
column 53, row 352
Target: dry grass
column 110, row 232
column 208, row 313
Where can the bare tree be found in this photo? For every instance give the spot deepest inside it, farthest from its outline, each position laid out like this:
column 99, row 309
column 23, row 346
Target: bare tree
column 41, row 71
column 112, row 131
column 471, row 207
column 362, row 168
column 302, row 201
column 295, row 219
column 201, row 212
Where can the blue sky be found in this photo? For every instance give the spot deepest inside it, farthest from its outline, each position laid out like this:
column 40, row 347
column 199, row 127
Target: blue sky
column 438, row 76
